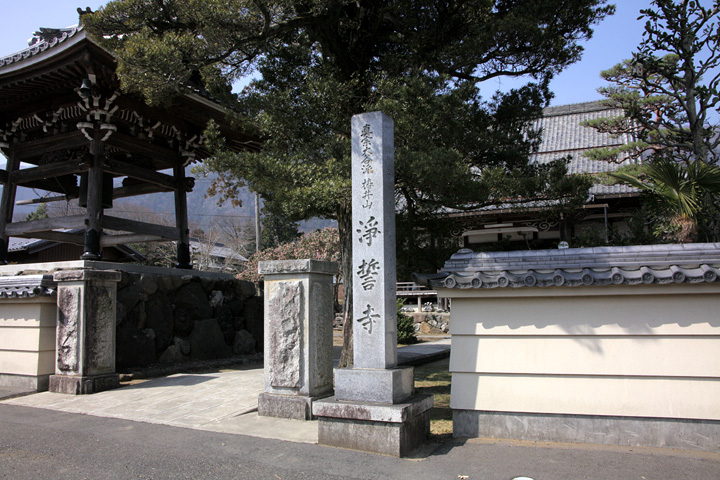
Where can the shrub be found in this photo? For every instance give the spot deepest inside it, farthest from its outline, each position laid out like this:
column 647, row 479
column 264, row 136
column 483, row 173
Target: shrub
column 405, row 326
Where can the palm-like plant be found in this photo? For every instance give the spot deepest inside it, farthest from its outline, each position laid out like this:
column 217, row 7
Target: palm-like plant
column 681, row 190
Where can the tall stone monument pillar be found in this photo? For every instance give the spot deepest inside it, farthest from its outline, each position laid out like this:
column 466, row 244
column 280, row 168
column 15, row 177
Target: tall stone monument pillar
column 85, row 334
column 374, row 408
column 298, row 336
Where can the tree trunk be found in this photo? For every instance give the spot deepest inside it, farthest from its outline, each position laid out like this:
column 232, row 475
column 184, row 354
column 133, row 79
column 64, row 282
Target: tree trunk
column 345, row 232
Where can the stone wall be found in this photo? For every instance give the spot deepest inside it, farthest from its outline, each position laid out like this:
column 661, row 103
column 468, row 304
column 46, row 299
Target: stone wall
column 431, row 323
column 171, row 319
column 162, row 315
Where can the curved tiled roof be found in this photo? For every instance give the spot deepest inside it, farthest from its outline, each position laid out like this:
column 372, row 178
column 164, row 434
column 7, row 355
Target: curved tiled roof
column 42, row 40
column 633, row 265
column 26, row 286
column 48, row 38
column 564, row 135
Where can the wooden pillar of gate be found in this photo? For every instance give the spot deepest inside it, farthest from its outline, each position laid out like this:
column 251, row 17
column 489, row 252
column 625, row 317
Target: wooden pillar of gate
column 181, row 219
column 94, row 208
column 7, row 205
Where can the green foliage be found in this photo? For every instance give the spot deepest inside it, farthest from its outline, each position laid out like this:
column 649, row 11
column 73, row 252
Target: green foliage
column 666, row 92
column 641, row 231
column 682, row 192
column 668, row 88
column 405, row 326
column 277, row 229
column 157, row 254
column 319, row 62
column 39, row 213
column 386, row 56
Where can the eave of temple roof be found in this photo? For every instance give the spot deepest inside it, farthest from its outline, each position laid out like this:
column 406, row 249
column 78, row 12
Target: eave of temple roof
column 42, row 47
column 49, row 59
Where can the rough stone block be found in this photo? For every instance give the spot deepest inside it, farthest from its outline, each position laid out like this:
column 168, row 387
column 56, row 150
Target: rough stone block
column 244, row 343
column 285, row 330
column 394, row 430
column 192, row 297
column 207, row 341
column 83, row 385
column 387, row 386
column 296, row 407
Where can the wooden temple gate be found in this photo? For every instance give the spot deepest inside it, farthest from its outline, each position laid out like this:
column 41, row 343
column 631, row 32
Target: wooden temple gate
column 63, row 115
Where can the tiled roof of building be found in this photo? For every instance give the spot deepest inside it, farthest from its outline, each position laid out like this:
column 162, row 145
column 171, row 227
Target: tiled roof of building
column 26, row 286
column 32, row 245
column 563, row 135
column 632, row 265
column 42, row 40
column 17, row 244
column 49, row 38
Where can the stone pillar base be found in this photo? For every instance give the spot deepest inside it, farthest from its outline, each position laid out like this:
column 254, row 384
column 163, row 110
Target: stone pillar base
column 394, row 430
column 295, row 407
column 83, row 385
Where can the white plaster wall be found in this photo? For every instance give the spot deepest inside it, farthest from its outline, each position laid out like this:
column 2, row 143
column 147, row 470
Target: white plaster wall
column 640, row 351
column 27, row 337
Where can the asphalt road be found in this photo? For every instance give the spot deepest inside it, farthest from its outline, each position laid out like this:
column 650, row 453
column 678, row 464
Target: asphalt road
column 45, row 444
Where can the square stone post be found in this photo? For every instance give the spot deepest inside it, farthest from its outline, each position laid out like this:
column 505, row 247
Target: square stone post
column 298, row 336
column 374, row 408
column 86, row 302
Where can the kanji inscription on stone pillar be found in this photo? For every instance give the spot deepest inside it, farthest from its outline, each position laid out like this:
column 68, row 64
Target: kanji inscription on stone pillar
column 373, row 213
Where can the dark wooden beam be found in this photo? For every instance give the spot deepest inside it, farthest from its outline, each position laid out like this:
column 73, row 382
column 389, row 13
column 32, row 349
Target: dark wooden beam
column 17, row 229
column 48, row 101
column 63, row 185
column 3, row 177
column 51, row 170
column 7, row 206
column 111, row 240
column 181, row 220
column 166, row 116
column 34, row 148
column 34, row 201
column 133, row 226
column 94, row 201
column 129, row 170
column 132, row 144
column 142, row 189
column 61, row 237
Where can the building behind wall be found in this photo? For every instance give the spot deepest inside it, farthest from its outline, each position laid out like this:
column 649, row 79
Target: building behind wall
column 527, row 226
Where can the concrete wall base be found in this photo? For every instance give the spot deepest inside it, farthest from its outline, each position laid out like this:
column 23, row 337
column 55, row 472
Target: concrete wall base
column 395, row 430
column 83, row 385
column 39, row 383
column 296, row 407
column 686, row 434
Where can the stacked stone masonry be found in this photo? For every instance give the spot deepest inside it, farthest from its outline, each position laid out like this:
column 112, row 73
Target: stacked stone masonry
column 162, row 316
column 171, row 319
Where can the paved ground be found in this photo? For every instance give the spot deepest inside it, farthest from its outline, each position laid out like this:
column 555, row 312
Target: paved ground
column 204, row 426
column 219, row 402
column 224, row 401
column 40, row 443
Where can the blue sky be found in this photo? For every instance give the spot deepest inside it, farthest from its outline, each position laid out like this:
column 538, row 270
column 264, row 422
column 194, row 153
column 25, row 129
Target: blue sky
column 614, row 40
